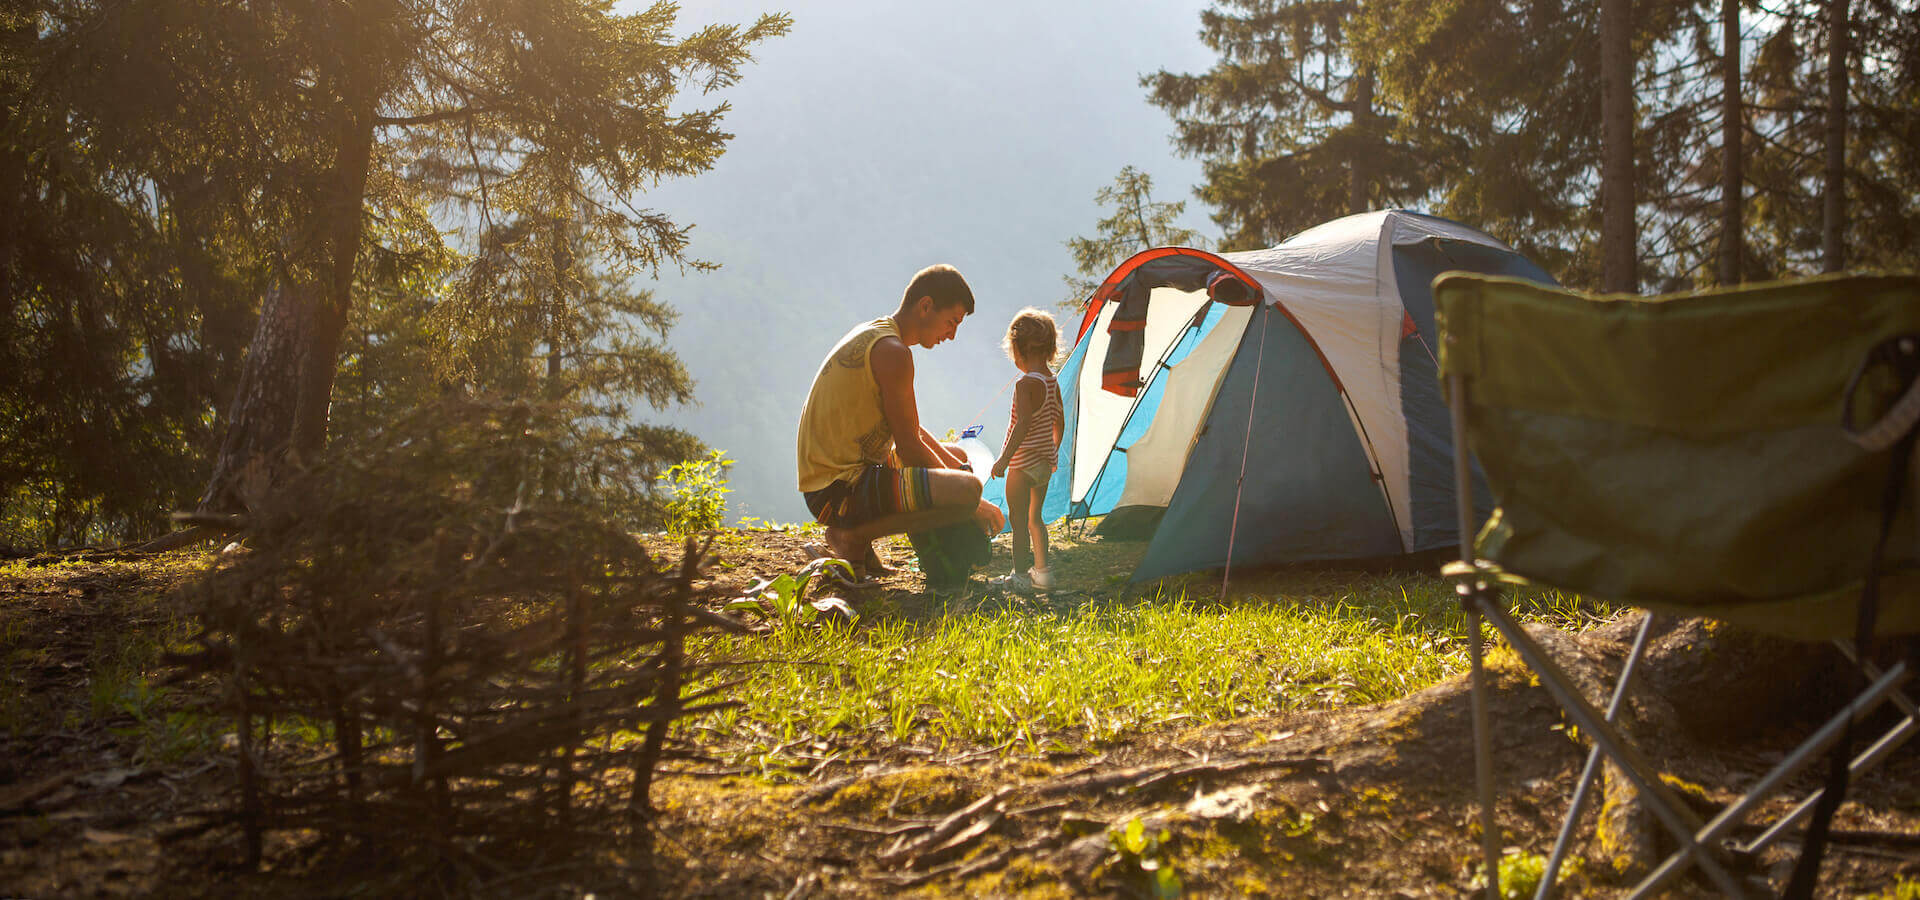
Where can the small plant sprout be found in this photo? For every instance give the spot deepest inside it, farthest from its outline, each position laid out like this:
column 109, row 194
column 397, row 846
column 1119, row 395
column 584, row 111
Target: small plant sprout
column 1135, row 848
column 783, row 598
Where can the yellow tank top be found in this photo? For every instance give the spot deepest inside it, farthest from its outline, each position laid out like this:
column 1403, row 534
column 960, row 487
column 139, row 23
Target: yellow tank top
column 842, row 427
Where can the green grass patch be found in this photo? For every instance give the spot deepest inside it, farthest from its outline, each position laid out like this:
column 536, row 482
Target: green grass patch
column 113, row 618
column 1102, row 669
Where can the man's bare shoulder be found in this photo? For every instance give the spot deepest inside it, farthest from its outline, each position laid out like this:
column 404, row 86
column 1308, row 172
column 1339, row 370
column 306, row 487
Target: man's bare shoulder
column 890, row 356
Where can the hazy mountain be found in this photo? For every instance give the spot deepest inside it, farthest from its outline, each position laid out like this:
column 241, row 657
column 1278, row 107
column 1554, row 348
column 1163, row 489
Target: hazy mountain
column 878, row 138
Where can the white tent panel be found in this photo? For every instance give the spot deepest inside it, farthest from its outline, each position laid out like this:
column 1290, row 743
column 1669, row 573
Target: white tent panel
column 1102, row 414
column 1156, row 461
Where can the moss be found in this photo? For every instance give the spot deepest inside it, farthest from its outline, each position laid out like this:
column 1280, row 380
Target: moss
column 1034, row 768
column 931, row 790
column 1024, row 877
column 1906, row 889
column 1693, row 795
column 1618, row 858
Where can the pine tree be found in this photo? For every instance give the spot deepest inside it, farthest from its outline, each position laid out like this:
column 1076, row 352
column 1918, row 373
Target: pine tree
column 1287, row 121
column 1138, row 223
column 349, row 105
column 124, row 299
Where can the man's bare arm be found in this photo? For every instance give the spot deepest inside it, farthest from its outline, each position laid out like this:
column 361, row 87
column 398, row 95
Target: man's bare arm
column 892, row 366
column 951, row 459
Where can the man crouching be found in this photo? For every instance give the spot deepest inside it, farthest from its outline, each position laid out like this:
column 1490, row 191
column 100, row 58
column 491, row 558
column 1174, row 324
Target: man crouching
column 867, row 468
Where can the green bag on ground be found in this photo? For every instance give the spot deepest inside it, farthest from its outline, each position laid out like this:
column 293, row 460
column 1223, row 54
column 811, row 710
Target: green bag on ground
column 948, row 555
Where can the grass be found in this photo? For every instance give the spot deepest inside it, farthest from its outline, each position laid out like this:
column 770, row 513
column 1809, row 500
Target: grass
column 1104, row 668
column 1113, row 663
column 112, row 609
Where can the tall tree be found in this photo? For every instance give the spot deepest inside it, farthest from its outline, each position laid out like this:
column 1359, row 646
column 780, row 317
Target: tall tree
column 1137, row 223
column 1732, row 126
column 1790, row 81
column 511, row 110
column 1834, row 193
column 1290, row 128
column 124, row 299
column 1498, row 101
column 1619, row 238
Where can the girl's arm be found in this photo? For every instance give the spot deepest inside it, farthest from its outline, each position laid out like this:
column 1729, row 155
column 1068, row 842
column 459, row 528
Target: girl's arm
column 1026, row 399
column 1059, row 421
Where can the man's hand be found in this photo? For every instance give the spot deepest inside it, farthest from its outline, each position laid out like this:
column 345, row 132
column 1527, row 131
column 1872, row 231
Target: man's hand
column 990, row 518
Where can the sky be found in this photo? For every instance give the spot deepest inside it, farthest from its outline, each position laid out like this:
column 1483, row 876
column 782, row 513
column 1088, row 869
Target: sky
column 874, row 139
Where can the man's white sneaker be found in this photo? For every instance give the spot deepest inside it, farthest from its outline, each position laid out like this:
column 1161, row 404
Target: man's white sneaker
column 1041, row 578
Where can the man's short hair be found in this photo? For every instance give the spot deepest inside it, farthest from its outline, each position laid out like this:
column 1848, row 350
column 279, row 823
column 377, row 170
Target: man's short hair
column 943, row 283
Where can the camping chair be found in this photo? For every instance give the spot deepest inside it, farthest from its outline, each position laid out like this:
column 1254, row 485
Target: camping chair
column 1703, row 454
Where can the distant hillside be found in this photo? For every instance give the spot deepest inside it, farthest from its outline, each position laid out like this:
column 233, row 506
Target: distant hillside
column 879, row 138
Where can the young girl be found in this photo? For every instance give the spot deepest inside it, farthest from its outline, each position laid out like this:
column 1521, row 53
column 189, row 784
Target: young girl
column 1033, row 441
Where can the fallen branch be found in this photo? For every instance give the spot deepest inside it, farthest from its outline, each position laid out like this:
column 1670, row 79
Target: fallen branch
column 23, row 797
column 963, row 819
column 1145, row 777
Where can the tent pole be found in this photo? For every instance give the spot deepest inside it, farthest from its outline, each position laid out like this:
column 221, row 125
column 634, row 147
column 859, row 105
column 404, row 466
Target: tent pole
column 1246, row 444
column 1159, row 365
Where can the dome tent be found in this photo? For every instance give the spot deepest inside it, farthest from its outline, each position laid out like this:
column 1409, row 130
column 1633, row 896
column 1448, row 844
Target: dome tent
column 1271, row 406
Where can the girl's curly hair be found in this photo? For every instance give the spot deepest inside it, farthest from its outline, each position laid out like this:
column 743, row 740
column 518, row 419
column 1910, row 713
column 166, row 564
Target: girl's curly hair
column 1032, row 334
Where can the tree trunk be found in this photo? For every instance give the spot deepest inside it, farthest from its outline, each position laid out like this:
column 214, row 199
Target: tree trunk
column 1617, row 233
column 1732, row 163
column 260, row 421
column 279, row 413
column 1360, row 172
column 1833, row 218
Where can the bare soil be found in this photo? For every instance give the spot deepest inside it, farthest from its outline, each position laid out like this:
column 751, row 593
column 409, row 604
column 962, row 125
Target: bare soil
column 1364, row 801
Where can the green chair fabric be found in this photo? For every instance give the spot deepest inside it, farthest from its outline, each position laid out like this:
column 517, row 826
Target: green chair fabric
column 1684, row 453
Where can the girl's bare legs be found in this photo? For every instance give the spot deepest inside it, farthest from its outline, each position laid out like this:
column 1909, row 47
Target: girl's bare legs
column 1019, row 511
column 1035, row 521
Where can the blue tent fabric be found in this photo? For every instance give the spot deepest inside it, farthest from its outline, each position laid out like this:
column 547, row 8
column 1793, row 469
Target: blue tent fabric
column 1309, row 492
column 1429, row 430
column 1107, row 487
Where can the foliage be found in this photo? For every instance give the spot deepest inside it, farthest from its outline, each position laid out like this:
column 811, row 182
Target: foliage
column 699, row 493
column 473, row 625
column 783, row 597
column 443, row 190
column 123, row 311
column 1287, row 122
column 1136, row 848
column 1137, row 223
column 1489, row 113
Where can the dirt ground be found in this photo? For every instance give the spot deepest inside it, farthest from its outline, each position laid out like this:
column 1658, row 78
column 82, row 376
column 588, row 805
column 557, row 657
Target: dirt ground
column 1372, row 801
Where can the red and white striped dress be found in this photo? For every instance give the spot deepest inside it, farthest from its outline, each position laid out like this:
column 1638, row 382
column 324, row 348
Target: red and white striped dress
column 1039, row 448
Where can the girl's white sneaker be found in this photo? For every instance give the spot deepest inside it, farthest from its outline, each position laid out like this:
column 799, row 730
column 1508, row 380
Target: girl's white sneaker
column 1016, row 582
column 1041, row 578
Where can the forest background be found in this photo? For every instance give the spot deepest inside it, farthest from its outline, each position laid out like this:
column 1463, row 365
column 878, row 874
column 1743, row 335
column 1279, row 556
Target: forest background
column 524, row 226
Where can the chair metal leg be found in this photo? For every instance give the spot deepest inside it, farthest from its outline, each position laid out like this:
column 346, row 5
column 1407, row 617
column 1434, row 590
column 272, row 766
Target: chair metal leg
column 1579, row 803
column 1862, row 762
column 1807, row 753
column 1473, row 595
column 1678, row 819
column 1483, row 754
